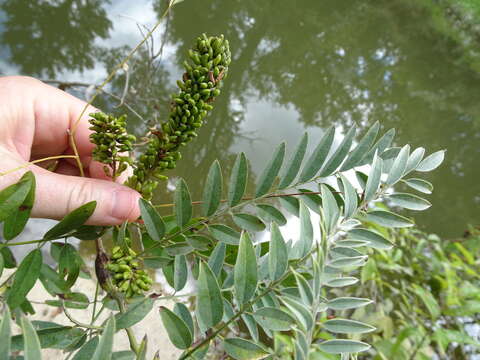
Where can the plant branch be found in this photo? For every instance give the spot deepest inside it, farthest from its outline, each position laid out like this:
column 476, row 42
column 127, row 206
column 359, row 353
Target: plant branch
column 78, row 323
column 245, row 306
column 227, row 209
column 253, row 198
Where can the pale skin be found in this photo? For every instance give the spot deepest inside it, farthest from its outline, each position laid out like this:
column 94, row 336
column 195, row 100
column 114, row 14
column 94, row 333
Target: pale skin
column 35, row 119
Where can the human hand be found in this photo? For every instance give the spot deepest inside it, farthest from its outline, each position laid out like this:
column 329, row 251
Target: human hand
column 34, row 120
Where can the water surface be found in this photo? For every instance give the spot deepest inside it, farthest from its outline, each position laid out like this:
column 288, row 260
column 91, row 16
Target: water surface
column 298, row 66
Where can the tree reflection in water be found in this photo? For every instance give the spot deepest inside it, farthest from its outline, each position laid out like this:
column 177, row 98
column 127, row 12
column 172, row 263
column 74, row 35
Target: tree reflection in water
column 328, row 62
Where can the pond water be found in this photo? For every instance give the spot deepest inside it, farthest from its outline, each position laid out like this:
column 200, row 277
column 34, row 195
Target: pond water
column 298, row 66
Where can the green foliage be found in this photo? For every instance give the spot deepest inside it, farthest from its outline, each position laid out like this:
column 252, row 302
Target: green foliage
column 242, row 283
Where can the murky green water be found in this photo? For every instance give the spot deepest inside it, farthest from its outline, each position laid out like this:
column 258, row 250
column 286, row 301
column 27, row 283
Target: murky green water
column 298, row 66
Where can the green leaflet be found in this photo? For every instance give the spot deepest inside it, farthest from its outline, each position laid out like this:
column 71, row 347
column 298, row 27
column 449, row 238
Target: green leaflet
column 252, row 327
column 343, row 346
column 32, row 350
column 356, row 155
column 86, row 352
column 179, row 248
column 399, row 165
column 350, row 198
column 293, row 166
column 380, row 146
column 373, row 180
column 431, row 162
column 269, row 213
column 414, row 159
column 241, row 349
column 153, row 222
column 291, row 204
column 388, row 219
column 238, row 180
column 300, row 312
column 305, row 242
column 209, row 299
column 199, row 242
column 71, row 222
column 177, row 330
column 373, row 238
column 51, row 335
column 268, row 175
column 341, row 281
column 248, row 222
column 245, row 271
column 419, row 185
column 15, row 223
column 306, row 292
column 340, row 153
column 120, row 236
column 105, row 345
column 331, row 212
column 69, row 264
column 345, row 326
column 12, row 197
column 182, row 311
column 5, row 334
column 348, row 261
column 135, row 313
column 278, row 254
column 25, row 278
column 409, row 201
column 224, row 234
column 217, row 258
column 313, row 201
column 212, row 192
column 274, row 319
column 315, row 161
column 183, row 203
column 180, row 272
column 344, row 303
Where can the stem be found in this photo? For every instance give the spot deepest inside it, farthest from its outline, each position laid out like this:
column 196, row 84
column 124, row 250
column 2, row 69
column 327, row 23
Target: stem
column 99, row 312
column 36, row 162
column 253, row 198
column 97, row 288
column 78, row 323
column 228, row 209
column 131, row 336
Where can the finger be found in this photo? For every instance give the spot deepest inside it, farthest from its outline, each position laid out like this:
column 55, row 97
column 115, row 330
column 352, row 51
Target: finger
column 65, row 168
column 57, row 195
column 55, row 112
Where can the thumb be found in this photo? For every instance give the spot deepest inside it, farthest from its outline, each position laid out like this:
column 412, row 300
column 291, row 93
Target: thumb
column 57, row 195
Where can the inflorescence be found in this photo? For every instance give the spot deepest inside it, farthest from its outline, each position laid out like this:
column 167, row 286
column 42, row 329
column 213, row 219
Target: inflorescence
column 126, row 275
column 208, row 65
column 112, row 141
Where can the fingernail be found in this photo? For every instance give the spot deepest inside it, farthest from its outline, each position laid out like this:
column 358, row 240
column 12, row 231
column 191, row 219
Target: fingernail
column 124, row 204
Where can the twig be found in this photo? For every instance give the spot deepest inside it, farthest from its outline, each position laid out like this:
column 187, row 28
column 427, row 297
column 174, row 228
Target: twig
column 125, row 88
column 78, row 323
column 27, row 164
column 253, row 198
